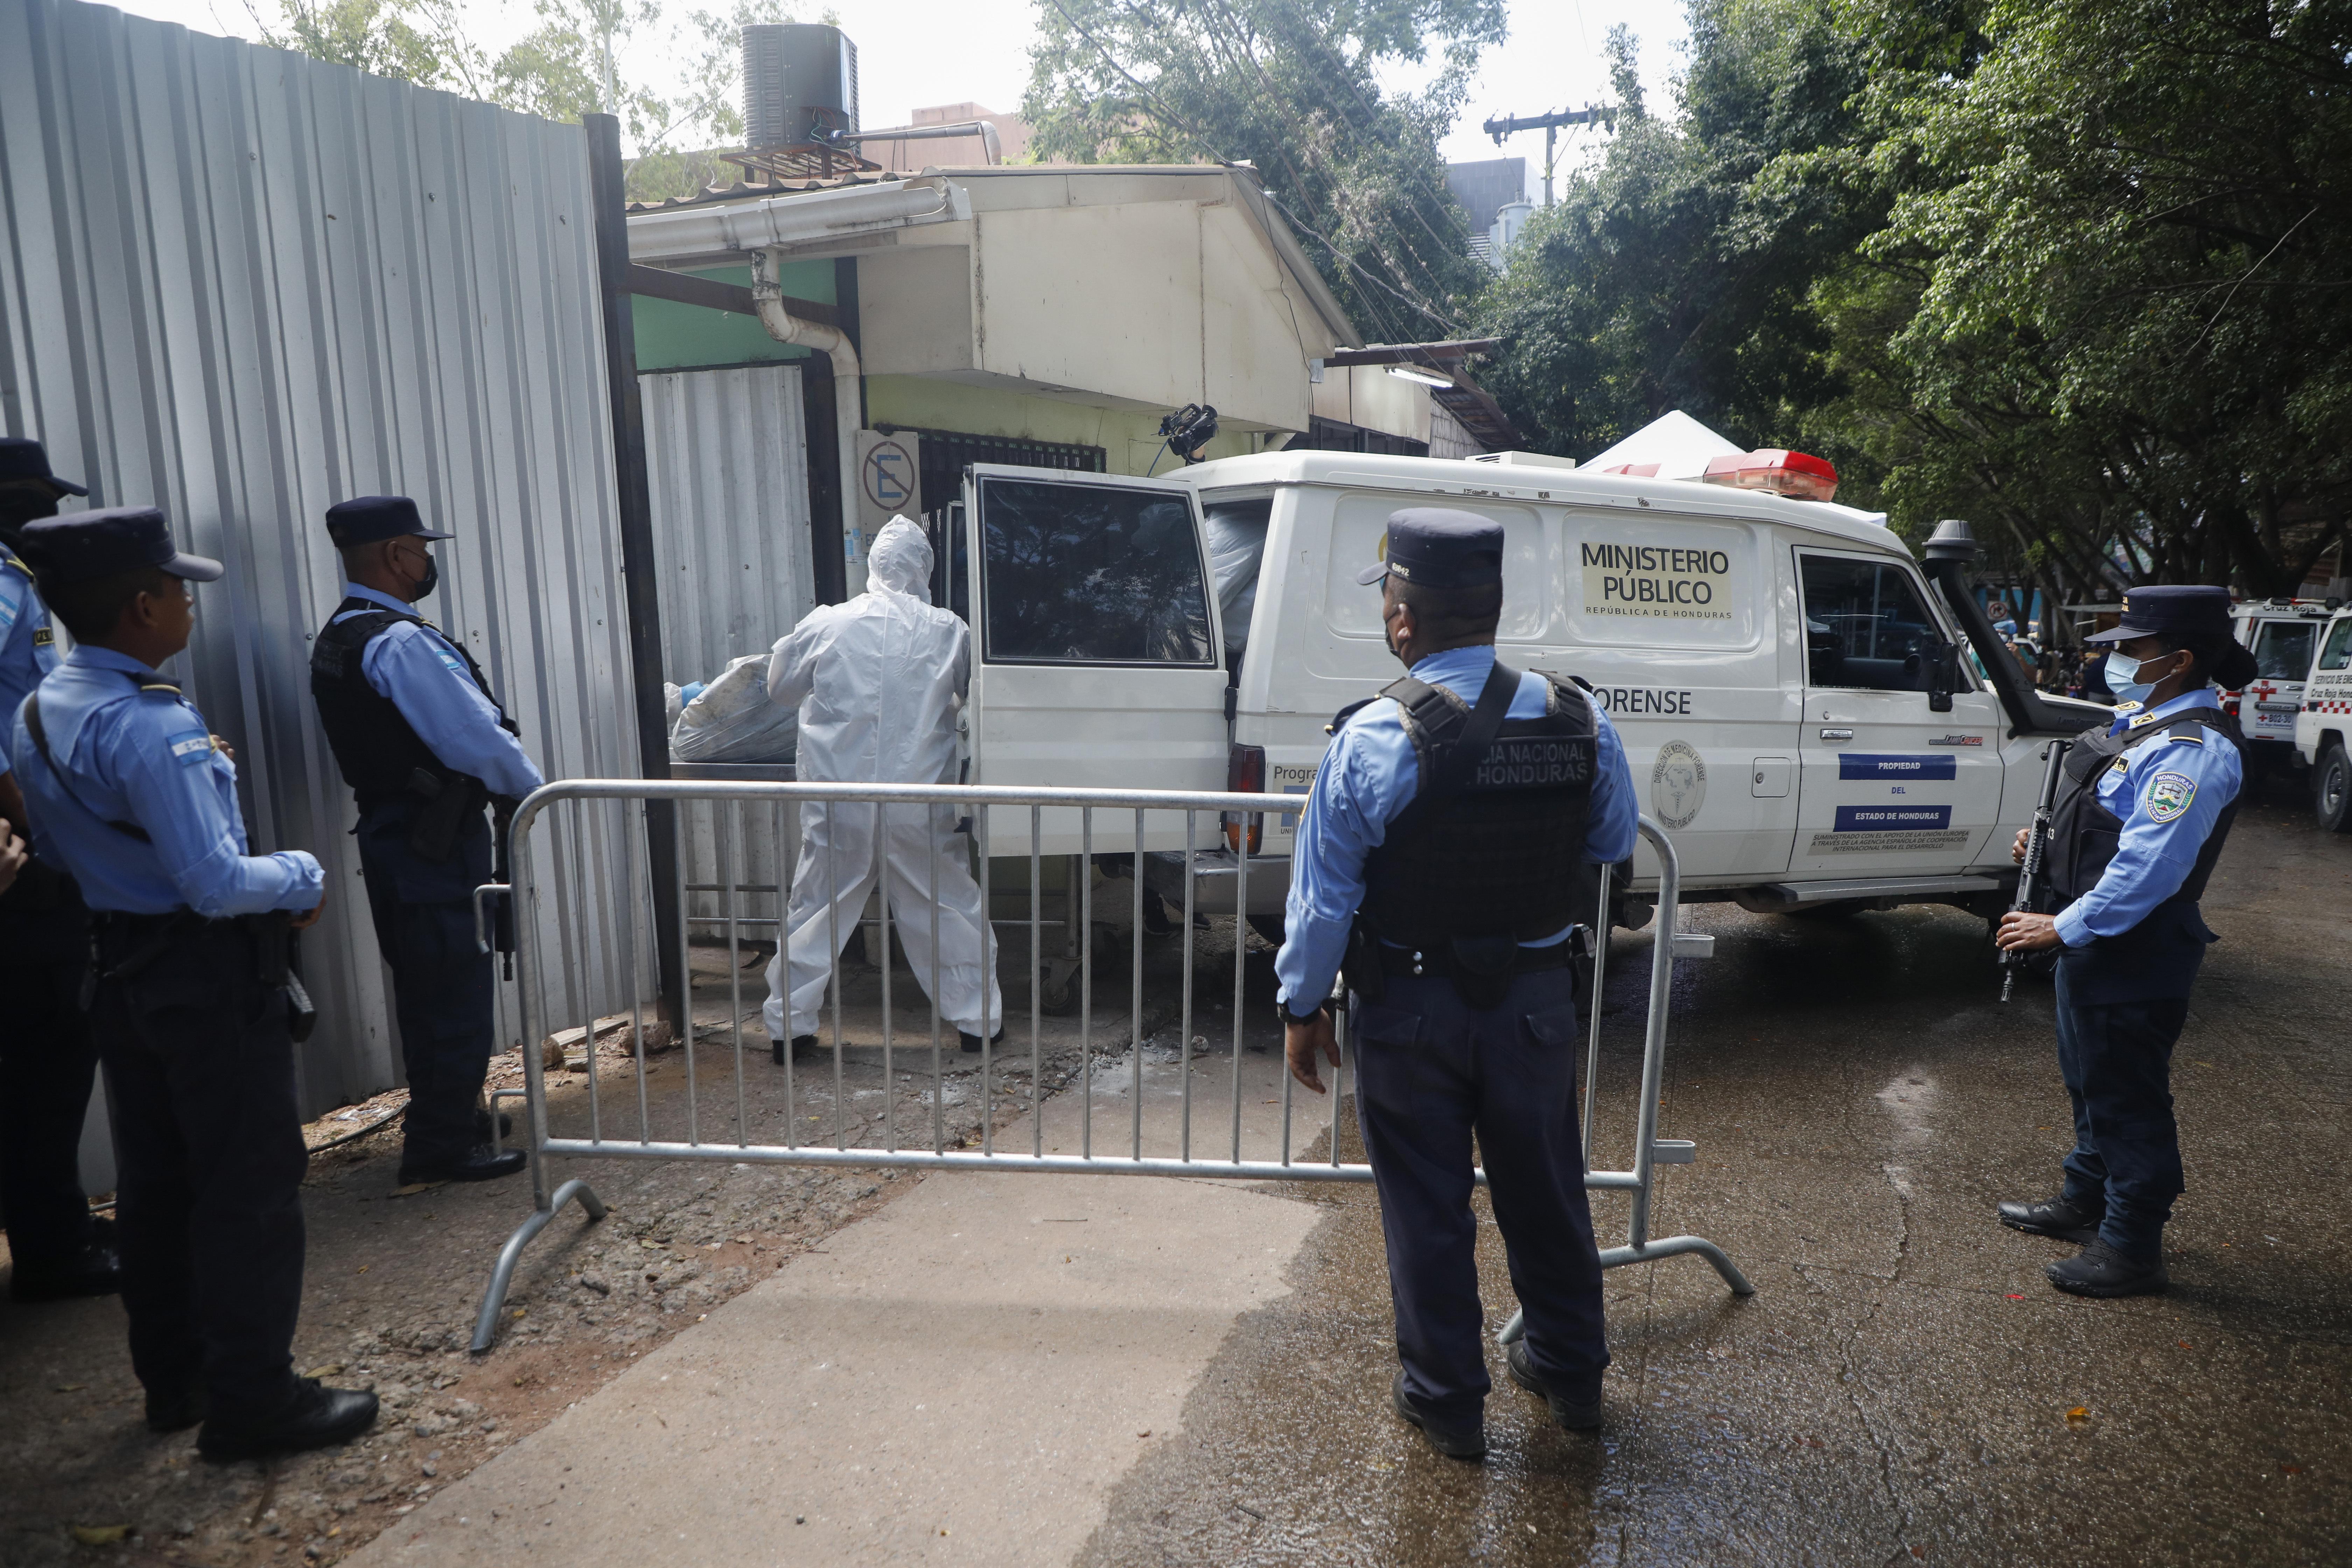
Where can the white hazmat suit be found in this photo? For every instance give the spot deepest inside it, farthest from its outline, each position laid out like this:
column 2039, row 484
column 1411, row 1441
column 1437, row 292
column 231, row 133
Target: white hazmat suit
column 878, row 682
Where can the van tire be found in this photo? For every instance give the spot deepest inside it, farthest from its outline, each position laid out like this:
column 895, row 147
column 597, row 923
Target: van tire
column 2331, row 790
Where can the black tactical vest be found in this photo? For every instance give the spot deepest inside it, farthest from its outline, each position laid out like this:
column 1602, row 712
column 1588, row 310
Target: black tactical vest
column 1504, row 855
column 373, row 744
column 2084, row 834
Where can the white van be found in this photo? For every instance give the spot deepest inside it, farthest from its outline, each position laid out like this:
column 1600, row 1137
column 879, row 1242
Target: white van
column 2284, row 636
column 1787, row 682
column 2323, row 724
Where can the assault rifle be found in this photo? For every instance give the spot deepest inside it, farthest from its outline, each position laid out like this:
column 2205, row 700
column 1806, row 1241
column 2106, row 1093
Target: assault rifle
column 2037, row 843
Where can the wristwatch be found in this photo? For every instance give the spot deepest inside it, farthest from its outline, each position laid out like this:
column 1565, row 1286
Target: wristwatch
column 1282, row 1010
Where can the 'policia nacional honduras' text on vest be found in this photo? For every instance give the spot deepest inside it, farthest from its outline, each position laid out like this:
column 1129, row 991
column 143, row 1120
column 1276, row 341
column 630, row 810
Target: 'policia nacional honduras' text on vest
column 1503, row 855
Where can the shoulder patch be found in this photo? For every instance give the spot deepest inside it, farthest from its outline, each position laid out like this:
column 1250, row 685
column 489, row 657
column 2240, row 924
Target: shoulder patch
column 190, row 747
column 454, row 665
column 2169, row 794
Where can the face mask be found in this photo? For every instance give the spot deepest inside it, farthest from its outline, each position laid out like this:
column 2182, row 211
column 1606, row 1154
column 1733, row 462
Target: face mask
column 431, row 579
column 20, row 505
column 2122, row 678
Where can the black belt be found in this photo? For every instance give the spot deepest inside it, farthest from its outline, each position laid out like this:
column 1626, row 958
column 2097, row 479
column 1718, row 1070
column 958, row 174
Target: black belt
column 1531, row 960
column 149, row 937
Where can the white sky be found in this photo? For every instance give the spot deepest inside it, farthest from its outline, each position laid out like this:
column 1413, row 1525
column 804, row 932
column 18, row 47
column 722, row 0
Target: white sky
column 917, row 52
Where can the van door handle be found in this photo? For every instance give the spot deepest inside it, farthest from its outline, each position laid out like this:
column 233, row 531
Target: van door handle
column 1837, row 734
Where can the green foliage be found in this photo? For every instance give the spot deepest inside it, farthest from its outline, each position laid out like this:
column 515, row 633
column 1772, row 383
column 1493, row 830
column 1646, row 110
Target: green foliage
column 572, row 64
column 1292, row 89
column 2073, row 268
column 1675, row 274
column 2113, row 287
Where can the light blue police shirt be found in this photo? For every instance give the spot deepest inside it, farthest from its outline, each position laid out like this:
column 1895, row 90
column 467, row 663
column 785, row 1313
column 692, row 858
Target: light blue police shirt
column 28, row 649
column 2168, row 791
column 145, row 757
column 1368, row 775
column 424, row 675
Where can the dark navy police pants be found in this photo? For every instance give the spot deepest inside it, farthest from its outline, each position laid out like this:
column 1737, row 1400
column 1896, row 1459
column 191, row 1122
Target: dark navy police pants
column 2122, row 1000
column 2117, row 1060
column 1431, row 1074
column 442, row 983
column 209, row 1155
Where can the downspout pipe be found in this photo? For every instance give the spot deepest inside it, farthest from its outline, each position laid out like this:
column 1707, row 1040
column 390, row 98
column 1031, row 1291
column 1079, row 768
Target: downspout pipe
column 768, row 296
column 1950, row 552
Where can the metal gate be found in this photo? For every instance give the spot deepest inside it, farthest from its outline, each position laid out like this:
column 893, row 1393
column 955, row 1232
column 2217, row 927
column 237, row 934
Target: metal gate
column 1214, row 842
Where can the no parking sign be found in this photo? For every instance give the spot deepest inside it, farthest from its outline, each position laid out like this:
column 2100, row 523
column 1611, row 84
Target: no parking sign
column 890, row 479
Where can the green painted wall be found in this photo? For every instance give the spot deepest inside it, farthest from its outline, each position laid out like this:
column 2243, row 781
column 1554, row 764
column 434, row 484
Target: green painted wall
column 1130, row 437
column 671, row 336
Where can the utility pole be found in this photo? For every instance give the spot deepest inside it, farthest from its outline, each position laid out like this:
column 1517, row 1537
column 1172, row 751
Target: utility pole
column 1502, row 125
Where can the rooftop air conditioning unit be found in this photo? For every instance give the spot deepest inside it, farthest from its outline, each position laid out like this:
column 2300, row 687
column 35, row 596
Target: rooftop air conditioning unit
column 800, row 85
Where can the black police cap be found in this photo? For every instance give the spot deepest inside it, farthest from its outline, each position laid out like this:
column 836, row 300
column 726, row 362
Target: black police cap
column 363, row 520
column 2174, row 609
column 1433, row 547
column 84, row 546
column 23, row 458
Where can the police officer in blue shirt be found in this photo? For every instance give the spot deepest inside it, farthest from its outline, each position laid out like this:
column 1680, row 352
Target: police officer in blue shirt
column 46, row 1061
column 189, row 997
column 1444, row 855
column 424, row 747
column 2140, row 819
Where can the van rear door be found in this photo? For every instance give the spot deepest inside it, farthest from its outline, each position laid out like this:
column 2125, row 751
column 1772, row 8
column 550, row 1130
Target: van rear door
column 1886, row 785
column 1095, row 647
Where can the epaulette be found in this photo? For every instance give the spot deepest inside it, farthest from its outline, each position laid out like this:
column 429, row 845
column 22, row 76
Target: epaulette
column 162, row 686
column 1339, row 719
column 2185, row 735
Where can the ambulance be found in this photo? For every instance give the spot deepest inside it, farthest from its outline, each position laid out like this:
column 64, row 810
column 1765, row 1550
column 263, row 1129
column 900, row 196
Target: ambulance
column 2323, row 724
column 2285, row 636
column 1786, row 676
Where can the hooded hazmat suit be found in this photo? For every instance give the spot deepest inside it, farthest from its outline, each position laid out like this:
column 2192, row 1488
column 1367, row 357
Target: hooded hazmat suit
column 878, row 681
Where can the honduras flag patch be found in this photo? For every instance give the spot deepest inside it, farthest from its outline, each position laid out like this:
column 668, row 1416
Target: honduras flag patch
column 190, row 746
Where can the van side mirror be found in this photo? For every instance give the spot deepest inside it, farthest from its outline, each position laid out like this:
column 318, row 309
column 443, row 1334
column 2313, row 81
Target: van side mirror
column 1943, row 676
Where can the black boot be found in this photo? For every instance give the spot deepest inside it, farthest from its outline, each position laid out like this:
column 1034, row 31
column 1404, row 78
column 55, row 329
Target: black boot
column 971, row 1042
column 175, row 1409
column 802, row 1046
column 2053, row 1217
column 1571, row 1416
column 317, row 1418
column 480, row 1163
column 1454, row 1443
column 2100, row 1270
column 95, row 1270
column 482, row 1126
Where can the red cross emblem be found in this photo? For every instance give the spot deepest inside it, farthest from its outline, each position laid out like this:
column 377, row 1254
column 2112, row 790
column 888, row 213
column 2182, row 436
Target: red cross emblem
column 2262, row 689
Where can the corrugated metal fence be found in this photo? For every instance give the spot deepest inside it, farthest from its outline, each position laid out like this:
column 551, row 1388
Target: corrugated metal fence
column 241, row 284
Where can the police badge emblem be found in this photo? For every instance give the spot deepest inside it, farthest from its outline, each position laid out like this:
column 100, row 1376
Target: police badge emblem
column 2169, row 794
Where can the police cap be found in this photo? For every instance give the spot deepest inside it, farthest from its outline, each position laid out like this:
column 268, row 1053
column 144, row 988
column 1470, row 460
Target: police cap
column 22, row 459
column 362, row 520
column 1432, row 547
column 84, row 546
column 2173, row 609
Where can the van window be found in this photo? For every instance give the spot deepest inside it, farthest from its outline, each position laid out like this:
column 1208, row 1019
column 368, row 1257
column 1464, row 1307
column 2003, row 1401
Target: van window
column 1866, row 627
column 1080, row 573
column 2283, row 649
column 2338, row 651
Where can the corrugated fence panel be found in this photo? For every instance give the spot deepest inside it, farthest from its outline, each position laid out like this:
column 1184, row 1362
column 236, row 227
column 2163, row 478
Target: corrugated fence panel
column 241, row 284
column 726, row 451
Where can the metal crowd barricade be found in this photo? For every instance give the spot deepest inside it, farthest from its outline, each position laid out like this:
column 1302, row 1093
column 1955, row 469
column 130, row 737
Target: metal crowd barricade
column 732, row 1141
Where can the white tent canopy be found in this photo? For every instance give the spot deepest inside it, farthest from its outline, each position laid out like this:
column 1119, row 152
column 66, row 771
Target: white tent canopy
column 1678, row 444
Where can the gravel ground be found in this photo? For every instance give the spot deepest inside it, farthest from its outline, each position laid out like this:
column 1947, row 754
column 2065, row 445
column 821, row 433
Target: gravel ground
column 395, row 1277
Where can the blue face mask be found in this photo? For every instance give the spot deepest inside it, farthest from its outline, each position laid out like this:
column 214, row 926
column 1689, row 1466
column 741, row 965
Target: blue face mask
column 2122, row 677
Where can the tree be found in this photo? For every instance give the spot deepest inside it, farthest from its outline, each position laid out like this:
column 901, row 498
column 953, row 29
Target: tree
column 2111, row 304
column 1673, row 275
column 1292, row 89
column 572, row 64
